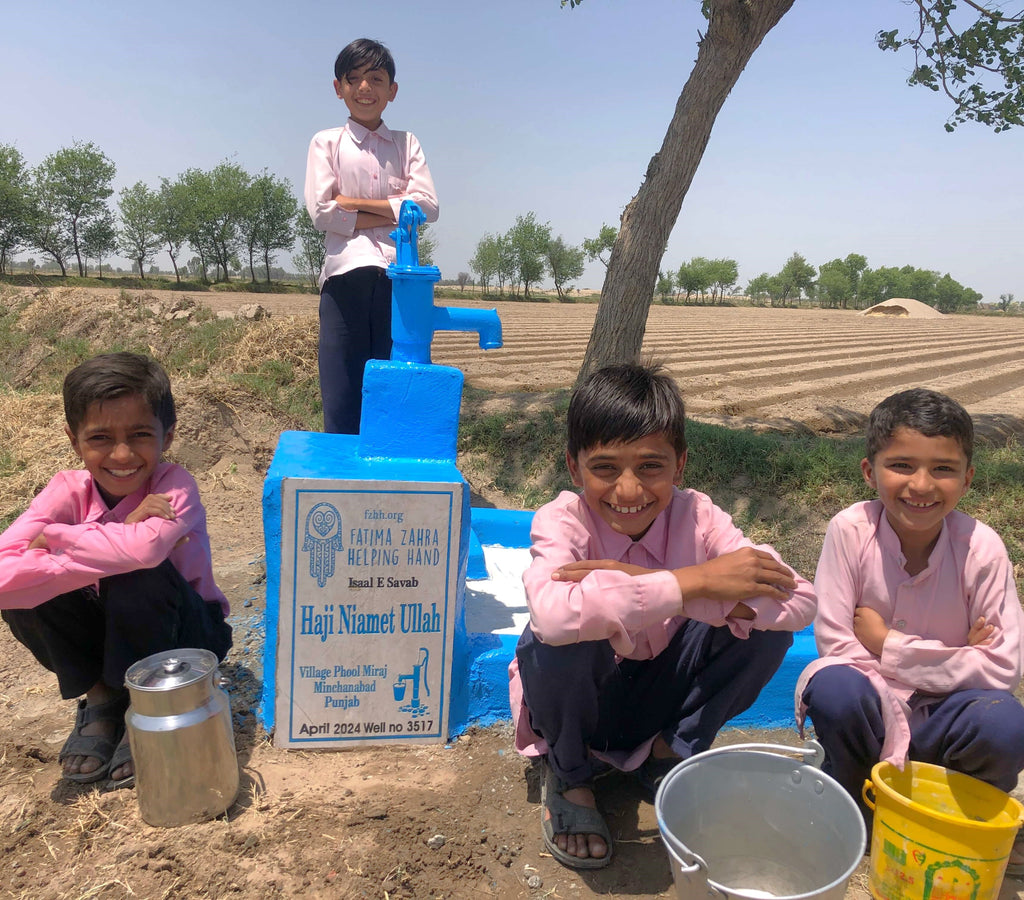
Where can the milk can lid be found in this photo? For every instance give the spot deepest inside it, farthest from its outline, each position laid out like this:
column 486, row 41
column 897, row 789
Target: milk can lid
column 170, row 669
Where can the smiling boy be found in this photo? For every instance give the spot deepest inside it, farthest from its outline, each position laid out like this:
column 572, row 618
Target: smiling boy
column 653, row 620
column 919, row 628
column 111, row 563
column 357, row 177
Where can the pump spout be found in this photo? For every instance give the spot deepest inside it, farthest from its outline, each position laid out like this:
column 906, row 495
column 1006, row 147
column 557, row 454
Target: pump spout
column 483, row 321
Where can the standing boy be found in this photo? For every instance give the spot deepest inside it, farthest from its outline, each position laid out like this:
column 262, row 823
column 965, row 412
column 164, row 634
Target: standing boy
column 111, row 563
column 356, row 179
column 919, row 628
column 653, row 620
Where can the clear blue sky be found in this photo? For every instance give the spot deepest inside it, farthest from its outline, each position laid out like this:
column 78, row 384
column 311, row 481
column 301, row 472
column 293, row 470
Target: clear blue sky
column 523, row 106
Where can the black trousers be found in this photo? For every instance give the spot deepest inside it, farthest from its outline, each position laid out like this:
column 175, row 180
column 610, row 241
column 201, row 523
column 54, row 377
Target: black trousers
column 86, row 636
column 580, row 698
column 355, row 327
column 977, row 732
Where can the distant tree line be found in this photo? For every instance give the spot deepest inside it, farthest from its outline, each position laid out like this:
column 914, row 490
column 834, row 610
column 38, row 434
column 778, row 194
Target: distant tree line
column 850, row 283
column 230, row 219
column 518, row 259
column 838, row 284
column 523, row 255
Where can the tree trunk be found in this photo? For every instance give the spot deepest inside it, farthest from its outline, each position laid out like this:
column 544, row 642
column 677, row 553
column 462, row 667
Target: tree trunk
column 78, row 252
column 735, row 30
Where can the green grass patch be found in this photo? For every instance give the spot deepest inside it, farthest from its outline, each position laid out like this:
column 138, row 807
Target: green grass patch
column 519, row 449
column 153, row 283
column 281, row 389
column 260, row 287
column 781, row 489
column 193, row 347
column 996, row 496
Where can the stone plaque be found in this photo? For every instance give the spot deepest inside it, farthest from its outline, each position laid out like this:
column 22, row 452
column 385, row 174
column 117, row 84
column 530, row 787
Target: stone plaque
column 369, row 577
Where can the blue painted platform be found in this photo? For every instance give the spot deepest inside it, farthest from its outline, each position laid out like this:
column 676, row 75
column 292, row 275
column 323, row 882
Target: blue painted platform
column 495, row 616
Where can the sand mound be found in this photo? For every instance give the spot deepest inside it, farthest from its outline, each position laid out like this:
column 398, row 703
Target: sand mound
column 903, row 307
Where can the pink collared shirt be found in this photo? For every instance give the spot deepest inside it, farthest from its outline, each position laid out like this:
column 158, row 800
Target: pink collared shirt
column 968, row 575
column 373, row 165
column 88, row 541
column 637, row 614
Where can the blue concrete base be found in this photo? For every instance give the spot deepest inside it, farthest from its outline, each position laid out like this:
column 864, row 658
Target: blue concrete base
column 302, row 454
column 490, row 654
column 481, row 659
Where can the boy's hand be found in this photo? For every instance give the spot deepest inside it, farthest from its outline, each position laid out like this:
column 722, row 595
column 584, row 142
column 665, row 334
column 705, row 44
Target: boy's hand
column 740, row 575
column 980, row 633
column 870, row 629
column 366, row 220
column 577, row 571
column 39, row 542
column 153, row 505
column 369, row 213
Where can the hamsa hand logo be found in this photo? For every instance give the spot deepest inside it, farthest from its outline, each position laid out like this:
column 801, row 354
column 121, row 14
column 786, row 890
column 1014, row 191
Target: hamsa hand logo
column 322, row 540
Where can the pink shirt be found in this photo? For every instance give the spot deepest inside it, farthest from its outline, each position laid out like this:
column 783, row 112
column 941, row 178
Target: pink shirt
column 87, row 541
column 637, row 615
column 371, row 165
column 968, row 575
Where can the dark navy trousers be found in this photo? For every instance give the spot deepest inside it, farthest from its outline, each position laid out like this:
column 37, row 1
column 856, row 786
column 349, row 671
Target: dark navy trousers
column 580, row 698
column 977, row 732
column 86, row 636
column 355, row 327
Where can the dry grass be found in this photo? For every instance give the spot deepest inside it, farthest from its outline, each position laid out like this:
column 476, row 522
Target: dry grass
column 34, row 446
column 234, row 383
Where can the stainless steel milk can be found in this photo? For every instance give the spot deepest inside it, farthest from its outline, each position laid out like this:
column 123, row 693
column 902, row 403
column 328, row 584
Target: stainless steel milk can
column 183, row 745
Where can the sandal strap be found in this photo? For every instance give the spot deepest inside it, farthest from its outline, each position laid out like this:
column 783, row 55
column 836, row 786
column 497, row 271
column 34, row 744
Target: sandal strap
column 112, row 710
column 97, row 747
column 572, row 818
column 94, row 745
column 122, row 755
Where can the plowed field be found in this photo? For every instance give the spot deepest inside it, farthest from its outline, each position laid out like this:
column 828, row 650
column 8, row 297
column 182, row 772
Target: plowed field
column 819, row 369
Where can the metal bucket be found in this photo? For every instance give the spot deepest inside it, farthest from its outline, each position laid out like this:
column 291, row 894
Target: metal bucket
column 183, row 745
column 742, row 823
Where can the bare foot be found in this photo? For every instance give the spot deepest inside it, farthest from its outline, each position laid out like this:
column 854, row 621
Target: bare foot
column 107, row 728
column 582, row 846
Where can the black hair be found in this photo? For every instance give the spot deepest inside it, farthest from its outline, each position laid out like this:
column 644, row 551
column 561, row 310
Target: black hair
column 623, row 403
column 113, row 375
column 364, row 52
column 919, row 409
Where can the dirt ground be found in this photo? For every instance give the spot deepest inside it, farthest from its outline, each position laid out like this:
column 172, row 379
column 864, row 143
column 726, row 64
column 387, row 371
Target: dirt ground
column 460, row 820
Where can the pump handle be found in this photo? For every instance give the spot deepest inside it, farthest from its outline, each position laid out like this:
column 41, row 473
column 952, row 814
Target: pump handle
column 406, row 235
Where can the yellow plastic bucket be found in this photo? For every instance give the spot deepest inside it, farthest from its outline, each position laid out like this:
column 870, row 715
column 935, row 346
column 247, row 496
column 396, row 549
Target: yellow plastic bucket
column 938, row 834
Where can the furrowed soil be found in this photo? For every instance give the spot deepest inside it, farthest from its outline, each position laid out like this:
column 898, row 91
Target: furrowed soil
column 460, row 820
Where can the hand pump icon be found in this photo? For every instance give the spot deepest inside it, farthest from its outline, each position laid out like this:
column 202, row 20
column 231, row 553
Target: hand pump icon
column 417, row 676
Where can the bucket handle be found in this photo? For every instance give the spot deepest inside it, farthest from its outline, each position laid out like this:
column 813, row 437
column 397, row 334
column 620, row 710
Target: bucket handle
column 810, row 748
column 869, row 798
column 700, row 868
